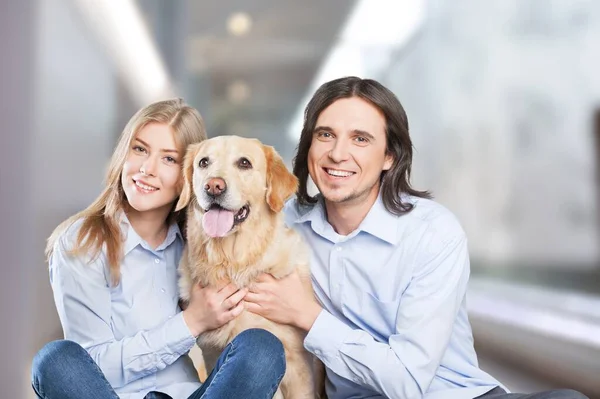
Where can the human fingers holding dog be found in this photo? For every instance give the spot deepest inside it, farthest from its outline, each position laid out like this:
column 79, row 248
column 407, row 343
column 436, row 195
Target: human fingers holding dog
column 284, row 300
column 211, row 307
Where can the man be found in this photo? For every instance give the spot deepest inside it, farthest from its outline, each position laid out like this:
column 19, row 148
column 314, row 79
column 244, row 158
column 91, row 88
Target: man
column 390, row 267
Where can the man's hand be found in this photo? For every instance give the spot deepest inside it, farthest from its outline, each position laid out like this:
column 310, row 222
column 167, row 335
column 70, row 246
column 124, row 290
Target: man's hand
column 284, row 301
column 211, row 307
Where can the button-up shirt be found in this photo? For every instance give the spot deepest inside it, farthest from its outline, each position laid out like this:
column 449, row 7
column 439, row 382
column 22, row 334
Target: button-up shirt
column 394, row 320
column 134, row 331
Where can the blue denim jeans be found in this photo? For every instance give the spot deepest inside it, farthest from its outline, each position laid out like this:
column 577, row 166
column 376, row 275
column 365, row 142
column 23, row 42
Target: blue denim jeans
column 499, row 393
column 251, row 366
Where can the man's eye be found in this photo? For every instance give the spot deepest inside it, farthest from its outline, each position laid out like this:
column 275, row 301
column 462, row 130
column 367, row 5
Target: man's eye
column 203, row 163
column 361, row 139
column 244, row 163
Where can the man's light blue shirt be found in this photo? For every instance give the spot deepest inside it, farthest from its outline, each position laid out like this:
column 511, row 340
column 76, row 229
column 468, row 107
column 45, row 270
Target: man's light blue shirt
column 135, row 331
column 394, row 321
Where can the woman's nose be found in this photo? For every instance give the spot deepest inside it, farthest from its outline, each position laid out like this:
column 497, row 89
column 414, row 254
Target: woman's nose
column 148, row 166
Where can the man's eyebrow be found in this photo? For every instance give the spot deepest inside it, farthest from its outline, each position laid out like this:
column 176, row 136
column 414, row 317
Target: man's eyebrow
column 162, row 149
column 364, row 133
column 323, row 128
column 354, row 131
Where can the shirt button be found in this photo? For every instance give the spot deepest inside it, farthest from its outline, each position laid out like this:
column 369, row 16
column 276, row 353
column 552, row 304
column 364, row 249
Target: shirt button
column 162, row 290
column 156, row 260
column 338, row 249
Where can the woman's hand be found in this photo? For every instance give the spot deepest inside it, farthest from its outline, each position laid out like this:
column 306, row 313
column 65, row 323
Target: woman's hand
column 210, row 308
column 285, row 301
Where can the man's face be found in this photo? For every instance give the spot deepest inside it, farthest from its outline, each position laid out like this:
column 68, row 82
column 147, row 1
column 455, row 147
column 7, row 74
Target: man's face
column 348, row 151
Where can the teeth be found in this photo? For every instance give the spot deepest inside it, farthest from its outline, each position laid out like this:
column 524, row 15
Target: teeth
column 339, row 173
column 243, row 213
column 145, row 187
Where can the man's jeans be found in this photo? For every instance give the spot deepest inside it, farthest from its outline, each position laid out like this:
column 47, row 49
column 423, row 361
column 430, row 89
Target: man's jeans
column 64, row 370
column 499, row 393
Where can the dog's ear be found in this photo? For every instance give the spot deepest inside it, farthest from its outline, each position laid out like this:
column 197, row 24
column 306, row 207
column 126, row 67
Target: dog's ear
column 188, row 170
column 281, row 184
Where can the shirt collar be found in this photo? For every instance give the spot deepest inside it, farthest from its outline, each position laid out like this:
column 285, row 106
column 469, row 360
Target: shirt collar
column 311, row 212
column 132, row 239
column 379, row 222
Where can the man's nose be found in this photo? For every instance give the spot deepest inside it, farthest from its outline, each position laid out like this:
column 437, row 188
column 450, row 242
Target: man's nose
column 339, row 151
column 215, row 187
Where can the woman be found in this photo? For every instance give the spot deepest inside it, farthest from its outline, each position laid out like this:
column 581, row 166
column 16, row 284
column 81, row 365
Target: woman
column 113, row 274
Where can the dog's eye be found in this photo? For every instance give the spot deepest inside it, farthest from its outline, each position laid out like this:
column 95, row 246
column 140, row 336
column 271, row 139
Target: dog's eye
column 203, row 163
column 243, row 163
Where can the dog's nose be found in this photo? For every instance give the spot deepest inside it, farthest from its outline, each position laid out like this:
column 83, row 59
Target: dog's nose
column 215, row 186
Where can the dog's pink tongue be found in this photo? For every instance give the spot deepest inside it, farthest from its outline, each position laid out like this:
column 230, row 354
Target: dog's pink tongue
column 217, row 222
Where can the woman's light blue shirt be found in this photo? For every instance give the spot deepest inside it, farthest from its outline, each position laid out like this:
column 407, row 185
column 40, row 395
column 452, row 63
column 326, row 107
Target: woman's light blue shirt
column 135, row 331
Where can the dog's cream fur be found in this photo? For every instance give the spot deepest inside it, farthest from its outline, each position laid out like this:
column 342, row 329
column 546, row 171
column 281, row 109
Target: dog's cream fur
column 261, row 243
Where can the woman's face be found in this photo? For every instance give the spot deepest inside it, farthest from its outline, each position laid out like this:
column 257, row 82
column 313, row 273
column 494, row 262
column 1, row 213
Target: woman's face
column 151, row 175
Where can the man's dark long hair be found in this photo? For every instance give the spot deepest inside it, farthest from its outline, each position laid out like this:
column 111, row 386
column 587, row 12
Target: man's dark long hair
column 394, row 181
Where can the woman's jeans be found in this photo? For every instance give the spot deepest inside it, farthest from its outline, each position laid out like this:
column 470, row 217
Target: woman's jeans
column 251, row 366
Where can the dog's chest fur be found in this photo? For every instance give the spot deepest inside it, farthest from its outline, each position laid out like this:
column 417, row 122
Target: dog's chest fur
column 241, row 260
column 210, row 261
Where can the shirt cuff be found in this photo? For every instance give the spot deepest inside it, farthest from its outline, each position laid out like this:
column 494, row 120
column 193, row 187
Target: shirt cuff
column 326, row 337
column 180, row 337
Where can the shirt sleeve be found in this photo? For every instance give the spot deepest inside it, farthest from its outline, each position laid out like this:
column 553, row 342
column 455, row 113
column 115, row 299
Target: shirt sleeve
column 83, row 301
column 405, row 366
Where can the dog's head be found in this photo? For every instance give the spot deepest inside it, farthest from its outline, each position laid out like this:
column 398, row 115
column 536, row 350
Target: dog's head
column 234, row 179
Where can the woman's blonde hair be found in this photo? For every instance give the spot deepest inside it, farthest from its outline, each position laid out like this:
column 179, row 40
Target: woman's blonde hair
column 100, row 222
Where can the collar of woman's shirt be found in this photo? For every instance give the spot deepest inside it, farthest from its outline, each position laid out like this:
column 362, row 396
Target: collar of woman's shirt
column 132, row 238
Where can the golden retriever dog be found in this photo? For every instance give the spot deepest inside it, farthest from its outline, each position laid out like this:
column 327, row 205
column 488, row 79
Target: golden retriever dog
column 235, row 189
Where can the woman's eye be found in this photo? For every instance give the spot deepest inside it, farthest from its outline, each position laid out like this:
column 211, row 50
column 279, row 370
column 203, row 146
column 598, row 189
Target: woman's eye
column 244, row 163
column 138, row 148
column 170, row 159
column 203, row 163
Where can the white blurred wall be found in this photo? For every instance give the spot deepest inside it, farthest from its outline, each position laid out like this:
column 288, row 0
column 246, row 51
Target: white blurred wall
column 58, row 109
column 500, row 97
column 74, row 131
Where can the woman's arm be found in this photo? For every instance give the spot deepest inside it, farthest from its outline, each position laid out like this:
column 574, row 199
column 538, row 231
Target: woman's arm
column 83, row 301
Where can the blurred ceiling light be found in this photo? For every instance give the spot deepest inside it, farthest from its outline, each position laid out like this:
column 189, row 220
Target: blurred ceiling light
column 238, row 92
column 374, row 30
column 239, row 24
column 121, row 29
column 383, row 23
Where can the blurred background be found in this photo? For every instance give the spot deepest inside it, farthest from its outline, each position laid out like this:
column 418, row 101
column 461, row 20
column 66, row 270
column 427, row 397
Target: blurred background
column 503, row 100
